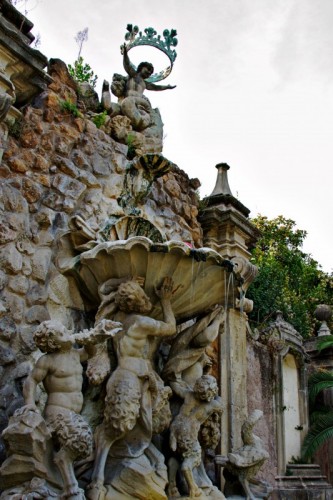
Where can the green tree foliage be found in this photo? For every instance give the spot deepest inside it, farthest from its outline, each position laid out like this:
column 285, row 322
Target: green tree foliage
column 289, row 279
column 82, row 72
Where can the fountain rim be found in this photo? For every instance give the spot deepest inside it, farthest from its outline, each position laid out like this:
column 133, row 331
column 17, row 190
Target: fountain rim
column 170, row 246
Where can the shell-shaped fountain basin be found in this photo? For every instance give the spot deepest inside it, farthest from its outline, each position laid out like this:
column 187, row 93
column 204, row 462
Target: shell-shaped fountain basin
column 202, row 278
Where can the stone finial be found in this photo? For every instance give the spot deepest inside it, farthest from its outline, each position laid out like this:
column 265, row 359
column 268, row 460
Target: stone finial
column 222, row 184
column 225, row 220
column 323, row 313
column 222, row 196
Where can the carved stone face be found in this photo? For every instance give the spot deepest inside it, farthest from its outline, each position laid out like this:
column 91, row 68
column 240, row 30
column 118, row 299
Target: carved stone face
column 205, row 388
column 209, row 395
column 131, row 298
column 52, row 336
column 143, row 304
column 145, row 69
column 64, row 340
column 145, row 72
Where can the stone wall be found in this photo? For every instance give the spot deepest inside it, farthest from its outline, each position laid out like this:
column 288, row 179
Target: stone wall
column 260, row 394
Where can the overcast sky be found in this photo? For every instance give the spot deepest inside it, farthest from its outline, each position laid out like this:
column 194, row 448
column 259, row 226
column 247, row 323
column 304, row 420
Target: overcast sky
column 254, row 90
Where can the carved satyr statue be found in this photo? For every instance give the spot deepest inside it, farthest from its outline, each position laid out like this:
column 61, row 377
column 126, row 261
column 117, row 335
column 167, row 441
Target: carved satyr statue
column 60, row 371
column 199, row 404
column 134, row 389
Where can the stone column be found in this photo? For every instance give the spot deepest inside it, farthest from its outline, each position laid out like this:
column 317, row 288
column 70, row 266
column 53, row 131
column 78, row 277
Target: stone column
column 227, row 229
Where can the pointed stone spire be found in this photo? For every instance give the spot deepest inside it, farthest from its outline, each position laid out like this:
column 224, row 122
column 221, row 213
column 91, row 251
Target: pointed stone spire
column 222, row 184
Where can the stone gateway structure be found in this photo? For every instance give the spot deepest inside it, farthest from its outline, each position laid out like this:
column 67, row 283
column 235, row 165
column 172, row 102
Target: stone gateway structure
column 128, row 368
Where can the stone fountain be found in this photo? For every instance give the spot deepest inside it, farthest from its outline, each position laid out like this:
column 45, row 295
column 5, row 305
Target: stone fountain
column 139, row 393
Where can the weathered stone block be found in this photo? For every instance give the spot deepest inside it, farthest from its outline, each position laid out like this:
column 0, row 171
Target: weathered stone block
column 17, row 469
column 10, row 259
column 68, row 186
column 68, row 131
column 172, row 188
column 43, row 179
column 101, row 166
column 18, row 284
column 16, row 306
column 17, row 165
column 37, row 314
column 27, row 343
column 114, row 186
column 7, row 356
column 66, row 166
column 44, row 217
column 3, row 280
column 28, row 138
column 40, row 263
column 6, row 233
column 26, row 266
column 54, row 201
column 47, row 141
column 79, row 158
column 45, row 238
column 13, row 199
column 41, row 163
column 88, row 179
column 7, row 328
column 31, row 190
column 18, row 221
column 37, row 295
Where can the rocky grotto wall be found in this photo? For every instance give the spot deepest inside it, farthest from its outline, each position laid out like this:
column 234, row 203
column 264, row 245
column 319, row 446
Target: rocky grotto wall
column 55, row 167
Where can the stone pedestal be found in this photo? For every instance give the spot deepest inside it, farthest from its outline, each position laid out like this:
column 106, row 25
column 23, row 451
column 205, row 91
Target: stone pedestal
column 233, row 367
column 227, row 229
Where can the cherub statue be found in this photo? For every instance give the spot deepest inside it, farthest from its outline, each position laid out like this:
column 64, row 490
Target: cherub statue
column 134, row 385
column 130, row 92
column 199, row 404
column 60, row 371
column 136, row 83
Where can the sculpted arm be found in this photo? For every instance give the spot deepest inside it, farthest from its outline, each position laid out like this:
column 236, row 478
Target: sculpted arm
column 168, row 327
column 128, row 66
column 153, row 86
column 152, row 326
column 156, row 328
column 180, row 388
column 217, row 405
column 209, row 334
column 89, row 339
column 37, row 375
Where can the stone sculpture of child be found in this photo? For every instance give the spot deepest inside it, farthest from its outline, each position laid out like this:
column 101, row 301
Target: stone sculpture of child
column 60, row 371
column 199, row 404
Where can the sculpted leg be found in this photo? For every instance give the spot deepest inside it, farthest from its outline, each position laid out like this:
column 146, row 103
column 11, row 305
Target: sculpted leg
column 187, row 466
column 64, row 461
column 246, row 487
column 96, row 490
column 173, row 466
column 73, row 435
